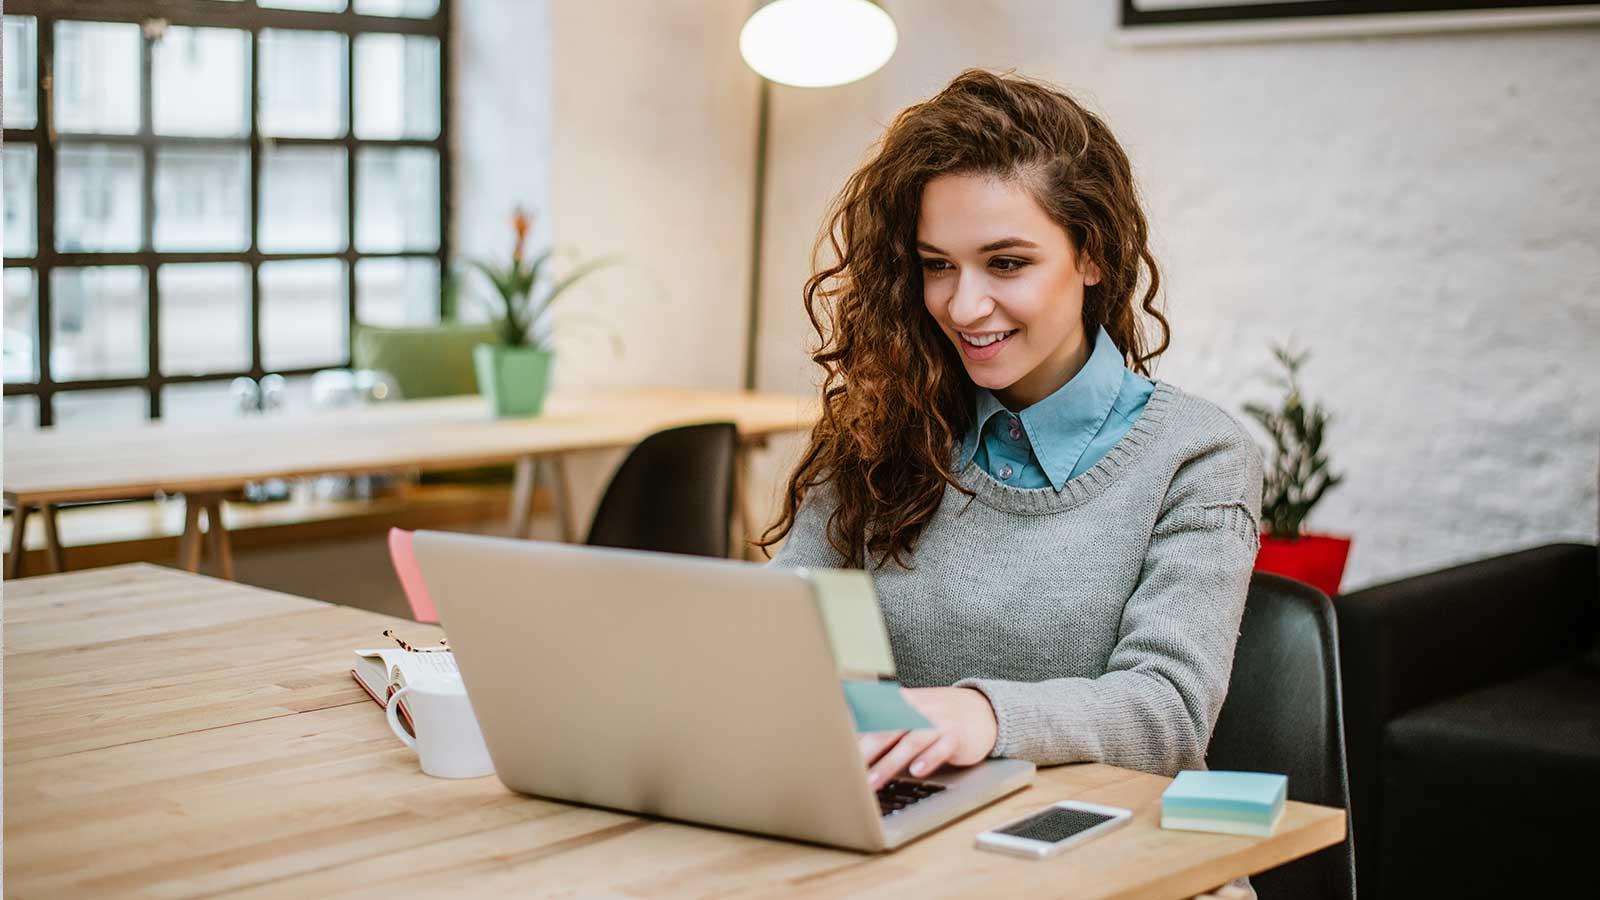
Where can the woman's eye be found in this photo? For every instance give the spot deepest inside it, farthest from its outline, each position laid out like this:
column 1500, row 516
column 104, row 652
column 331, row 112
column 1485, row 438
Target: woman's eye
column 933, row 265
column 1010, row 265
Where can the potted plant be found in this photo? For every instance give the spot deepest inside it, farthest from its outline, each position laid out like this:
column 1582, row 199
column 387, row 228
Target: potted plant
column 1296, row 478
column 515, row 373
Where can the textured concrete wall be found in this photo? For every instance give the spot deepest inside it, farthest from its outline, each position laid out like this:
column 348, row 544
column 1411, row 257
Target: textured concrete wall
column 1421, row 212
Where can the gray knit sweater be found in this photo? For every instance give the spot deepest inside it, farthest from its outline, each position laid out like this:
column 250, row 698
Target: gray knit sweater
column 1099, row 621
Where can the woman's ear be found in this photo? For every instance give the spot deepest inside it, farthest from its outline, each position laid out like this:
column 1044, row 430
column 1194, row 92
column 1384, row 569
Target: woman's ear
column 1091, row 273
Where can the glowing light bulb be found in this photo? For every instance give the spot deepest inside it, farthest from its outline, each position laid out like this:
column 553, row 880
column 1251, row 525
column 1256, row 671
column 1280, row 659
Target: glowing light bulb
column 817, row 43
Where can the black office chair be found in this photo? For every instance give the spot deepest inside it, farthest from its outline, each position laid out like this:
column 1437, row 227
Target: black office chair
column 1283, row 714
column 673, row 494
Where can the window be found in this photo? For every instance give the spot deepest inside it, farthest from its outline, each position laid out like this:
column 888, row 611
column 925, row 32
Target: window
column 223, row 191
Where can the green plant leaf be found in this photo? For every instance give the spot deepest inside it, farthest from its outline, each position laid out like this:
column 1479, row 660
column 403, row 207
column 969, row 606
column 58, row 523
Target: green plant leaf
column 1295, row 475
column 561, row 286
column 578, row 273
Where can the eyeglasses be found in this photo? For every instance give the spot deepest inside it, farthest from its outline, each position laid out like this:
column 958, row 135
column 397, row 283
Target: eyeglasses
column 405, row 645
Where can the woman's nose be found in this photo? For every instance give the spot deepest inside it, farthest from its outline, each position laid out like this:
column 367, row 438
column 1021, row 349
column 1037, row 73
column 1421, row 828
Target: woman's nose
column 970, row 303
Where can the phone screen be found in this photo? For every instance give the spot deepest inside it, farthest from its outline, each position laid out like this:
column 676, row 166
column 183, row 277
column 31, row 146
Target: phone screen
column 1054, row 824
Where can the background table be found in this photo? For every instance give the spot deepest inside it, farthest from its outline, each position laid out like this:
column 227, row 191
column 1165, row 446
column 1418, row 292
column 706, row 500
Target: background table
column 171, row 734
column 204, row 461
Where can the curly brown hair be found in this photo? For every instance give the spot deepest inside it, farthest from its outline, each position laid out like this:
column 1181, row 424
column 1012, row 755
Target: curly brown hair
column 896, row 398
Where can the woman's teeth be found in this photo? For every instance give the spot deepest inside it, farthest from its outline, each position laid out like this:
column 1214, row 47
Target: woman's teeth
column 987, row 339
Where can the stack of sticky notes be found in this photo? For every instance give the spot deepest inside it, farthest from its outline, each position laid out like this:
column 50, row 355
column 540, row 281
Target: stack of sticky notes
column 1229, row 802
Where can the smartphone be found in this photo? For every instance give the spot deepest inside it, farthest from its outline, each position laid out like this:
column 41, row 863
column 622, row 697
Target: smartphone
column 1054, row 829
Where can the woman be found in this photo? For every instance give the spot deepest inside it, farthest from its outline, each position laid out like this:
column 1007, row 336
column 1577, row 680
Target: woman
column 1060, row 543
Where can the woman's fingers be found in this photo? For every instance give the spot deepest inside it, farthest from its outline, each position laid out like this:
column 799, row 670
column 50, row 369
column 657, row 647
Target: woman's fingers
column 910, row 745
column 875, row 743
column 937, row 754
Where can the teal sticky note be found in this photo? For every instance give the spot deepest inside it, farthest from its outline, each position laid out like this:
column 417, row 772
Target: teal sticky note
column 1260, row 793
column 878, row 706
column 1250, row 803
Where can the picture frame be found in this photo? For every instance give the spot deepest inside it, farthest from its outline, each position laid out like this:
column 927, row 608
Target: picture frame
column 1142, row 22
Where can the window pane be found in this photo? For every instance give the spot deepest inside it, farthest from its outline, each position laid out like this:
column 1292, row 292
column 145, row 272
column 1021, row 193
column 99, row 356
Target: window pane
column 20, row 97
column 397, row 86
column 397, row 199
column 313, row 5
column 20, row 162
column 201, row 81
column 202, row 200
column 302, row 83
column 21, row 331
column 302, row 199
column 99, row 324
column 303, row 318
column 209, row 401
column 205, row 318
column 22, row 412
column 215, row 401
column 117, row 406
column 397, row 291
column 99, row 193
column 417, row 9
column 97, row 80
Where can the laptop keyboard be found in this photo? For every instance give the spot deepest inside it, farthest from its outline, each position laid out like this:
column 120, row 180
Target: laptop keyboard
column 899, row 794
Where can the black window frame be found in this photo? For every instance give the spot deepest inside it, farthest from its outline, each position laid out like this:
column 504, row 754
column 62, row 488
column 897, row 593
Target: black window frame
column 247, row 16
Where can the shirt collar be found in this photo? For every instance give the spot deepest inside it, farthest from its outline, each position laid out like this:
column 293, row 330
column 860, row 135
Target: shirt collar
column 1060, row 426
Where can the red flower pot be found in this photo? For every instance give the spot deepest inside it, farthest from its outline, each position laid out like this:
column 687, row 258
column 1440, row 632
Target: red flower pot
column 1316, row 559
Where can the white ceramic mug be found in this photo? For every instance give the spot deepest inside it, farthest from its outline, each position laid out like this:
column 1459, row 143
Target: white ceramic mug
column 448, row 740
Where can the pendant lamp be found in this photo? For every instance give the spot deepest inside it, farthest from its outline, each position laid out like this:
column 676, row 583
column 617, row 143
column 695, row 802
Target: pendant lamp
column 817, row 43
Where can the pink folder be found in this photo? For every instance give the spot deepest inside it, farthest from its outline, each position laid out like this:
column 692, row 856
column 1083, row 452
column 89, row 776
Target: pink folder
column 405, row 566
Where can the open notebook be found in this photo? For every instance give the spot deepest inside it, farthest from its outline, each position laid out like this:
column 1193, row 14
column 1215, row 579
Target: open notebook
column 382, row 672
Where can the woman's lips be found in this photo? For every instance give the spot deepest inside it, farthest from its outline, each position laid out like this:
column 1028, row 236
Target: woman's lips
column 980, row 354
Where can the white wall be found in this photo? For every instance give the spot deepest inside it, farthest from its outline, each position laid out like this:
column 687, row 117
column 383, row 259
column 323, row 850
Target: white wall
column 1419, row 211
column 502, row 123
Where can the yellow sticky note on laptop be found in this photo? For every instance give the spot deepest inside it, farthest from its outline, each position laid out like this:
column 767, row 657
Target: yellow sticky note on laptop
column 849, row 607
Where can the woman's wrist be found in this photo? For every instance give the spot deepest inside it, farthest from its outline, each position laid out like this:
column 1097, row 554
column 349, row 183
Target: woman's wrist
column 985, row 724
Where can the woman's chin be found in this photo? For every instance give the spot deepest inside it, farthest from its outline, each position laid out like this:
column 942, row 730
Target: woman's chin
column 989, row 378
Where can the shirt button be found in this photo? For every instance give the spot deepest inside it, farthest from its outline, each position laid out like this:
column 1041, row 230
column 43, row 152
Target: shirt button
column 1016, row 433
column 1005, row 472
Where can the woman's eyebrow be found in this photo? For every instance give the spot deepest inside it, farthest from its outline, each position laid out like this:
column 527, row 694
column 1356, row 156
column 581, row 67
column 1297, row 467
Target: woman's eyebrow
column 1001, row 244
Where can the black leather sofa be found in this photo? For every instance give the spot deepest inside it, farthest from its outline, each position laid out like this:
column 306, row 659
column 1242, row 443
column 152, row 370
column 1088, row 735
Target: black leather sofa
column 1472, row 726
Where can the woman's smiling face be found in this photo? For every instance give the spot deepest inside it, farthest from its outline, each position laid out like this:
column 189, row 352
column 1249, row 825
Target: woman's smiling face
column 994, row 264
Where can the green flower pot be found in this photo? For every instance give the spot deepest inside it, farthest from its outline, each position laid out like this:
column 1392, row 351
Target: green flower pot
column 513, row 378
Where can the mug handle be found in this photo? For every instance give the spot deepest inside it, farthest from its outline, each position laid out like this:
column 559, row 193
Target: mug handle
column 392, row 711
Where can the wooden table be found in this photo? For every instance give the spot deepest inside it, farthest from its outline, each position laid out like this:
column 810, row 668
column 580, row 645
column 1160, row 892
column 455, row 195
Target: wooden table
column 174, row 735
column 205, row 461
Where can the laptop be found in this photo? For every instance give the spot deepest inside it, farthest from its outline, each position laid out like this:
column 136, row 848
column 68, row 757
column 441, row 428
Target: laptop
column 683, row 687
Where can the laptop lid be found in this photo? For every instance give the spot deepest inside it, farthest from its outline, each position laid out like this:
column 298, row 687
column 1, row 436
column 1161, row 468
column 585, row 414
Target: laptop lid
column 686, row 687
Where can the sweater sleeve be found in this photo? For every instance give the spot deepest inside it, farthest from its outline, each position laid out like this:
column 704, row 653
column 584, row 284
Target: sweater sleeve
column 807, row 541
column 1155, row 706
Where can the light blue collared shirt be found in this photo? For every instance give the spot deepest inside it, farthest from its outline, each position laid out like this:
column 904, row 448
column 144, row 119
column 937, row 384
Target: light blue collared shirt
column 1066, row 433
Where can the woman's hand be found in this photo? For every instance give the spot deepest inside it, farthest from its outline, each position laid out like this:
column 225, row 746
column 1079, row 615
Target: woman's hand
column 963, row 733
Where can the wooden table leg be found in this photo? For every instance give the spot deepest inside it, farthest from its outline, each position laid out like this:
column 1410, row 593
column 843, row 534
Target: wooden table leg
column 563, row 496
column 189, row 541
column 527, row 478
column 52, row 539
column 218, row 545
column 19, row 528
